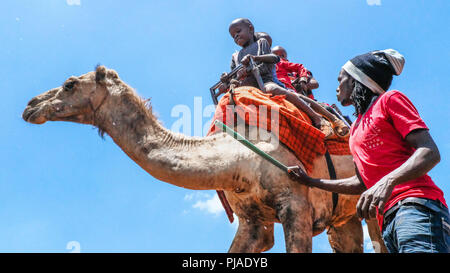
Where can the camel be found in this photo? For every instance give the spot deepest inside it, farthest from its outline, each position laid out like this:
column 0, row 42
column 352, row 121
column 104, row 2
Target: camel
column 259, row 193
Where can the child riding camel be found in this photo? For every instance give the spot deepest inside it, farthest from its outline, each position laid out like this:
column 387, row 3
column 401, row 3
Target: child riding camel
column 285, row 68
column 306, row 82
column 243, row 33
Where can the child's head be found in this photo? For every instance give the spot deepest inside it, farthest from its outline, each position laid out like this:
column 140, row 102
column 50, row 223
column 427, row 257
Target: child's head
column 280, row 51
column 242, row 31
column 259, row 35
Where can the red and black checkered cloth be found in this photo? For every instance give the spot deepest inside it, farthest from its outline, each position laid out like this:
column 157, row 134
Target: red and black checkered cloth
column 290, row 125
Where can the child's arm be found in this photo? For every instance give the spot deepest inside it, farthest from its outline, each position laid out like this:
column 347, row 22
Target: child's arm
column 266, row 58
column 301, row 71
column 263, row 55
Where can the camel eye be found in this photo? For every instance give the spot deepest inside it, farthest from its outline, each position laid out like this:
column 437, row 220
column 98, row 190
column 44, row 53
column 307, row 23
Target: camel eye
column 69, row 85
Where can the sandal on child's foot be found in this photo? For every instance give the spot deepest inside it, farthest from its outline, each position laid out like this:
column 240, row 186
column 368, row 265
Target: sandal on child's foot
column 326, row 128
column 340, row 128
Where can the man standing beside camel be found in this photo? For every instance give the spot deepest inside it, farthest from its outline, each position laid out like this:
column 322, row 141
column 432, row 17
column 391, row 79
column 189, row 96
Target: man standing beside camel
column 393, row 152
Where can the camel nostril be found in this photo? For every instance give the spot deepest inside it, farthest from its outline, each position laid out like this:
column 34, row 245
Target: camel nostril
column 26, row 114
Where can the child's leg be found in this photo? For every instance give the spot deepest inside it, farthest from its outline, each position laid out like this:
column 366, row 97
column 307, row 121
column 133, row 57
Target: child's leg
column 340, row 126
column 317, row 107
column 293, row 98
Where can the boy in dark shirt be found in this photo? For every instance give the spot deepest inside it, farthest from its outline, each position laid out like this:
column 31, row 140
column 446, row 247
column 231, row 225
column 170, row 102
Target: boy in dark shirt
column 243, row 33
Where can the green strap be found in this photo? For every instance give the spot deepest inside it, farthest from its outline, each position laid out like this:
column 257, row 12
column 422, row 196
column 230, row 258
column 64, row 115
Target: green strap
column 250, row 145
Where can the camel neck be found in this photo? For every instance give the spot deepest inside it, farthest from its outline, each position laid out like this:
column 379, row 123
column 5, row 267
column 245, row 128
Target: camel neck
column 189, row 162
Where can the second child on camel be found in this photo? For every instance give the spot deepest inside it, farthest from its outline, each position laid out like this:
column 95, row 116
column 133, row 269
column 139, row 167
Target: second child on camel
column 306, row 82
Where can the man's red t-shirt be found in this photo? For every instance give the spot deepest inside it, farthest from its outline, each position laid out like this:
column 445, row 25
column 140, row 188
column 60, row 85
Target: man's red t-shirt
column 378, row 145
column 283, row 67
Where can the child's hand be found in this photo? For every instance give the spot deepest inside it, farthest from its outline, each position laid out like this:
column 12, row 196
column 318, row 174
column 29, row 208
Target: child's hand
column 246, row 59
column 241, row 74
column 297, row 174
column 235, row 82
column 303, row 86
column 223, row 87
column 223, row 77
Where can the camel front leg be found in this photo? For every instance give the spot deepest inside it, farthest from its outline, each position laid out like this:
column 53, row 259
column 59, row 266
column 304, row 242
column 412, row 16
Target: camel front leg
column 347, row 238
column 296, row 219
column 252, row 237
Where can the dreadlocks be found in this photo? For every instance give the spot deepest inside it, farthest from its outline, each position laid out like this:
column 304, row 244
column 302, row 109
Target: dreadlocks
column 361, row 97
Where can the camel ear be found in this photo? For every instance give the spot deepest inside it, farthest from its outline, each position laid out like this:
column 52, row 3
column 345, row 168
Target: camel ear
column 100, row 73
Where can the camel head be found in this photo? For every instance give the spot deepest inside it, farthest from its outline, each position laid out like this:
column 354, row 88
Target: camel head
column 77, row 100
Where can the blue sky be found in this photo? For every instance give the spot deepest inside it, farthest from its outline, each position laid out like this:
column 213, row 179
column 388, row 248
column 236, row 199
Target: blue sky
column 61, row 183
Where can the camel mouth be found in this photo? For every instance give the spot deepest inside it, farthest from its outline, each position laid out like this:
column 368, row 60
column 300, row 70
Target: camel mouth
column 33, row 115
column 40, row 115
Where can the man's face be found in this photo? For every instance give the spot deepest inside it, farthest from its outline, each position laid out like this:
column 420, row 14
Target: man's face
column 241, row 33
column 345, row 88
